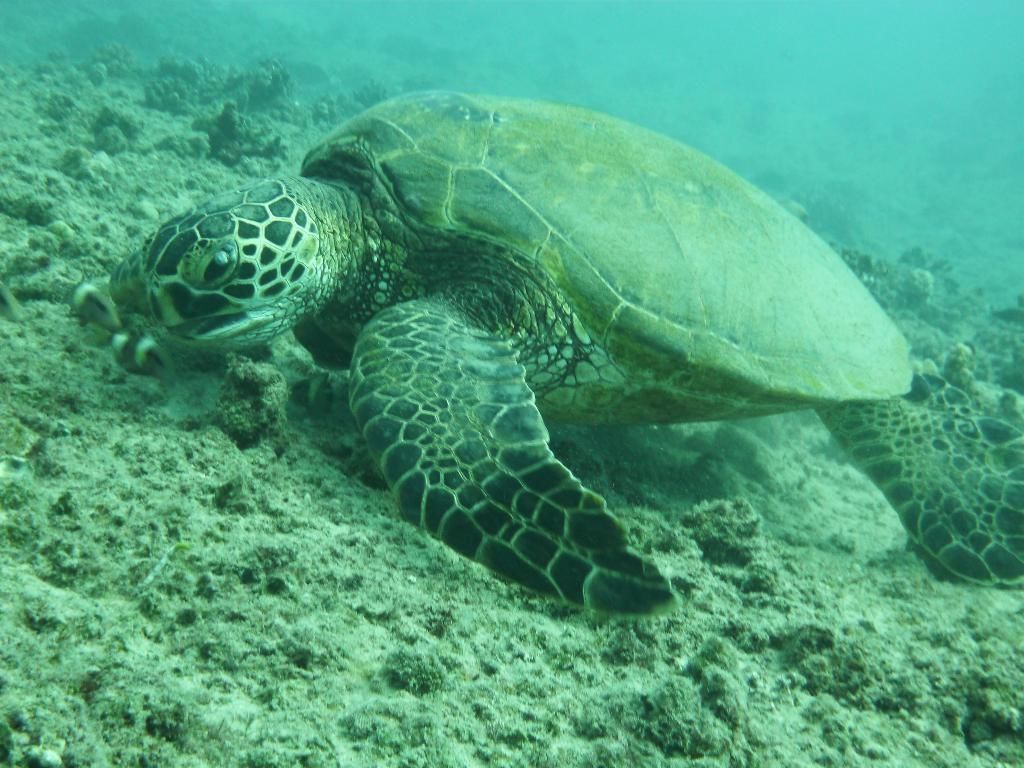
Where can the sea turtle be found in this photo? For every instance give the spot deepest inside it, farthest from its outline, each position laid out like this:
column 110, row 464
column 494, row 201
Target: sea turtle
column 480, row 264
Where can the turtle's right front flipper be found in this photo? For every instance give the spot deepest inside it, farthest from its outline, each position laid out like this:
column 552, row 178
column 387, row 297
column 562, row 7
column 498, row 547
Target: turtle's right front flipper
column 955, row 476
column 447, row 412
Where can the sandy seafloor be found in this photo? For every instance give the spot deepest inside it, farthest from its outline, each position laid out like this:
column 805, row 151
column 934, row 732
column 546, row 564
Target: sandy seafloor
column 168, row 598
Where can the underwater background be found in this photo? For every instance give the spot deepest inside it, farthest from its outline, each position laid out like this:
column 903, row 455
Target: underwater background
column 896, row 124
column 195, row 573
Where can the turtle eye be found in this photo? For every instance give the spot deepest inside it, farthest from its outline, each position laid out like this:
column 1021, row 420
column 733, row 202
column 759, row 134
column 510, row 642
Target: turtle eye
column 222, row 263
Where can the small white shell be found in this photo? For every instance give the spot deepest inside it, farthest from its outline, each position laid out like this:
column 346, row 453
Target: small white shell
column 14, row 468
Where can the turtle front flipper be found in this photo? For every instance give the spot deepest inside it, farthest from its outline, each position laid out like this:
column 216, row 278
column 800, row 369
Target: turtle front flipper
column 955, row 476
column 447, row 412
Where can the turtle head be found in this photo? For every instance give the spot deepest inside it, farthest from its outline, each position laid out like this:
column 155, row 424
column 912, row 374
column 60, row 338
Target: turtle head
column 236, row 270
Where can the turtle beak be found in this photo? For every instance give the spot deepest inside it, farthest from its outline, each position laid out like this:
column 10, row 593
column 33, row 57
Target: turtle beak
column 210, row 317
column 197, row 315
column 236, row 328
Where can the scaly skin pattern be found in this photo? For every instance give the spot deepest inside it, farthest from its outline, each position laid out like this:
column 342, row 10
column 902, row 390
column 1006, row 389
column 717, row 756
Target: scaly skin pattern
column 245, row 265
column 453, row 363
column 441, row 397
column 447, row 412
column 955, row 476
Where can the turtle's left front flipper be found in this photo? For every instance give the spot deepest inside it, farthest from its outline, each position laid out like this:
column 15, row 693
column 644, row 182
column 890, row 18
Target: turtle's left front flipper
column 955, row 476
column 447, row 413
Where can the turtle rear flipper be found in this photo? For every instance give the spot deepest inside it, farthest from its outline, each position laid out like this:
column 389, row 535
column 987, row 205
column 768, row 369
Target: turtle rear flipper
column 955, row 476
column 447, row 412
